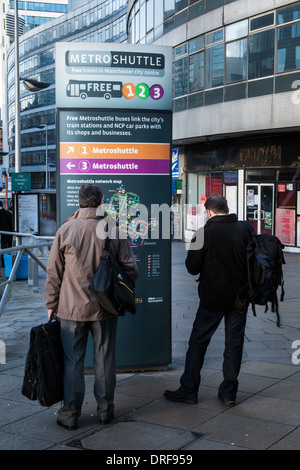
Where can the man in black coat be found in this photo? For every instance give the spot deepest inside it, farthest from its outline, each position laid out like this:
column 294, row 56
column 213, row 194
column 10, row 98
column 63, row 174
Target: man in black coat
column 6, row 225
column 218, row 254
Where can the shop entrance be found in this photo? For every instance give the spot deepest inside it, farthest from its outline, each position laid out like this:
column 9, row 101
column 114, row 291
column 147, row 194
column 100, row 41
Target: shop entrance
column 259, row 207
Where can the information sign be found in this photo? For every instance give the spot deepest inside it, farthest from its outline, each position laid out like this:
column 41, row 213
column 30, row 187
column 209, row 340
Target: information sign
column 20, row 181
column 115, row 130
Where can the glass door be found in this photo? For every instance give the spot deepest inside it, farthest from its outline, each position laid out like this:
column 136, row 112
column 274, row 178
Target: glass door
column 259, row 207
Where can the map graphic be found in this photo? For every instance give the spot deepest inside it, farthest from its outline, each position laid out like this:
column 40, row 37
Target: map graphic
column 123, row 206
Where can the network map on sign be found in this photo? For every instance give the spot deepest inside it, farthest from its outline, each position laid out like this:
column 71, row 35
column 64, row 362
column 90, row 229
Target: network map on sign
column 124, row 207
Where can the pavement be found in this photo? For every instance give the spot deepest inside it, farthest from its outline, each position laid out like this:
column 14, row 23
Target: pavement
column 266, row 415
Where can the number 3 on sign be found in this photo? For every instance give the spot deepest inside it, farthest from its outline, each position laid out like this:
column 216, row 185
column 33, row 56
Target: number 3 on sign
column 156, row 92
column 128, row 91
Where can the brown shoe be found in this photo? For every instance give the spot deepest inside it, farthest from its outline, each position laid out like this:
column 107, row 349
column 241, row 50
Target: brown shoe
column 226, row 402
column 66, row 426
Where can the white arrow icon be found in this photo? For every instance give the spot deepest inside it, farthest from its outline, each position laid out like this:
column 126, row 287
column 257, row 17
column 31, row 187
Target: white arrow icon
column 70, row 150
column 69, row 165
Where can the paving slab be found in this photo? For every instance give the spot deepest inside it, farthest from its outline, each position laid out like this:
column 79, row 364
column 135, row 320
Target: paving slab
column 246, row 432
column 267, row 411
column 131, row 434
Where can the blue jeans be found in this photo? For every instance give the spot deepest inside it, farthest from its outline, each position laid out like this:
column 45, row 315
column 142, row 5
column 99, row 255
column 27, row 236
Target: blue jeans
column 205, row 324
column 74, row 337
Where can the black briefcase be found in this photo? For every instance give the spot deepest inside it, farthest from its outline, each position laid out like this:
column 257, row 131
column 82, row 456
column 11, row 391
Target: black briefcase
column 43, row 377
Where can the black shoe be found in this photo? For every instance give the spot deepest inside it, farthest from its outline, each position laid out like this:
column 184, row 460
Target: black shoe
column 226, row 402
column 106, row 420
column 179, row 396
column 70, row 428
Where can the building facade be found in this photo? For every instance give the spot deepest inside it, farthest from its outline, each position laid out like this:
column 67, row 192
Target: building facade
column 236, row 106
column 36, row 13
column 235, row 100
column 96, row 21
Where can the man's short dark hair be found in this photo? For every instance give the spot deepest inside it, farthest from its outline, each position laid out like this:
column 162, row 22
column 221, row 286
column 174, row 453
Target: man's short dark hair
column 217, row 203
column 90, row 195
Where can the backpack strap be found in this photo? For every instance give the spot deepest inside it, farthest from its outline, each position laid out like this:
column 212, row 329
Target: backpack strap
column 106, row 246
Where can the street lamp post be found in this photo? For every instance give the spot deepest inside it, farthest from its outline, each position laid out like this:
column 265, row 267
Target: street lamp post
column 17, row 95
column 45, row 126
column 31, row 85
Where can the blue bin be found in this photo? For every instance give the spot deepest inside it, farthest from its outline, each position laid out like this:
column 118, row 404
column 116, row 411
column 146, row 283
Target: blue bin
column 22, row 271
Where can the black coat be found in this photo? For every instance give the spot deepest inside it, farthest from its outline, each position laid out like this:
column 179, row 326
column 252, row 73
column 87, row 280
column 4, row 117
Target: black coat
column 221, row 261
column 6, row 225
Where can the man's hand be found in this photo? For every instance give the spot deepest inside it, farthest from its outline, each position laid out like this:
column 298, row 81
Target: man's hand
column 52, row 313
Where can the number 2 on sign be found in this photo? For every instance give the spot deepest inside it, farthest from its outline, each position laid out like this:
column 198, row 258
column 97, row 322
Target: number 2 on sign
column 128, row 91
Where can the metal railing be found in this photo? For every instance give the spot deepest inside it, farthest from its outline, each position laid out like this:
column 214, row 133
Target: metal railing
column 34, row 262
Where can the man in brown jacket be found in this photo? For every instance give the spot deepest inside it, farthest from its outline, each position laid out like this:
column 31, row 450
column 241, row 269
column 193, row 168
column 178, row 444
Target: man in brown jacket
column 73, row 260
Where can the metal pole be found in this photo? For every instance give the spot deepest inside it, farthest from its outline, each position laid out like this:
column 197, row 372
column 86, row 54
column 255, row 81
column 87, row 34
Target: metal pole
column 46, row 156
column 17, row 95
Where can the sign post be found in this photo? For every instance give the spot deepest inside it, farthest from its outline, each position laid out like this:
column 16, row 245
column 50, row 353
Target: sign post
column 114, row 115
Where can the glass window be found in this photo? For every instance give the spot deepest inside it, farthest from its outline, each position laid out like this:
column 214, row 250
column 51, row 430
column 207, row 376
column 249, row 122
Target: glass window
column 149, row 15
column 213, row 4
column 143, row 20
column 288, row 54
column 287, row 14
column 159, row 31
column 284, row 82
column 288, row 175
column 196, row 100
column 158, row 7
column 262, row 21
column 180, row 104
column 214, row 96
column 169, row 25
column 196, row 72
column 261, row 54
column 181, row 50
column 236, row 30
column 216, row 36
column 192, row 188
column 181, row 77
column 169, row 8
column 196, row 10
column 215, row 66
column 181, row 18
column 180, row 4
column 230, row 176
column 258, row 175
column 235, row 92
column 236, row 61
column 137, row 27
column 196, row 44
column 260, row 87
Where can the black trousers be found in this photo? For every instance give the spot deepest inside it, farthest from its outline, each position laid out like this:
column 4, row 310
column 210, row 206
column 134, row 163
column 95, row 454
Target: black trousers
column 205, row 325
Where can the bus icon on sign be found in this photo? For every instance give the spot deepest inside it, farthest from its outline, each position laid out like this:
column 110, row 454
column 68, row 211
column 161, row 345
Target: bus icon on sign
column 94, row 89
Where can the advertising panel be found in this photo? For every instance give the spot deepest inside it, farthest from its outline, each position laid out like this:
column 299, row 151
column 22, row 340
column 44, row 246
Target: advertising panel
column 285, row 226
column 115, row 130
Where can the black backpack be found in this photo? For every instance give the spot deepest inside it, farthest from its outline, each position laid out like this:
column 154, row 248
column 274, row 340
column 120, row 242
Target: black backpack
column 112, row 286
column 43, row 377
column 264, row 260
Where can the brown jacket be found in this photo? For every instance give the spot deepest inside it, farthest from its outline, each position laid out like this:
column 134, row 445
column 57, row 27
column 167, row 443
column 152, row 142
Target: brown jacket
column 73, row 260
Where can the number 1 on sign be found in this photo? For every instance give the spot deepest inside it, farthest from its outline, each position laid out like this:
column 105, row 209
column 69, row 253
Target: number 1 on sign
column 128, row 91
